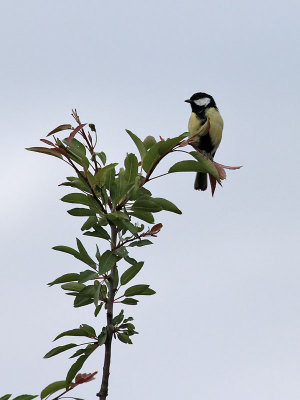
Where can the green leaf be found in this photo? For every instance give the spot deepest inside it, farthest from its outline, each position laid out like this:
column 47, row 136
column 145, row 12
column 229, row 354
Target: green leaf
column 59, row 349
column 123, row 337
column 148, row 292
column 107, row 261
column 73, row 252
column 64, row 278
column 128, row 327
column 52, row 388
column 89, row 330
column 25, row 397
column 140, row 243
column 130, row 227
column 130, row 301
column 81, row 212
column 60, row 128
column 158, row 150
column 139, row 144
column 102, row 157
column 102, row 336
column 118, row 318
column 85, row 296
column 98, row 309
column 102, row 174
column 98, row 255
column 143, row 215
column 76, row 198
column 66, row 249
column 76, row 367
column 109, row 179
column 5, row 397
column 130, row 260
column 98, row 232
column 103, row 292
column 76, row 147
column 87, row 350
column 169, row 144
column 73, row 286
column 89, row 223
column 187, row 166
column 73, row 332
column 96, row 292
column 131, row 167
column 135, row 290
column 81, row 301
column 77, row 183
column 151, row 157
column 78, row 353
column 84, row 255
column 116, row 279
column 69, row 250
column 121, row 252
column 87, row 275
column 81, row 160
column 46, row 150
column 131, row 272
column 127, row 319
column 166, row 205
column 207, row 165
column 92, row 127
column 121, row 187
column 146, row 204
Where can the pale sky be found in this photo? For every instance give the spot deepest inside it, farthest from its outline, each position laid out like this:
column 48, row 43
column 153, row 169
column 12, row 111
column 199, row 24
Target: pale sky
column 225, row 322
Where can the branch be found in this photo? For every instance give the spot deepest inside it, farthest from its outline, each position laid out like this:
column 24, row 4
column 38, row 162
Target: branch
column 109, row 317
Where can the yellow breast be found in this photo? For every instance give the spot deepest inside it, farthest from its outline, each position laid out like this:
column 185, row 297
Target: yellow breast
column 215, row 125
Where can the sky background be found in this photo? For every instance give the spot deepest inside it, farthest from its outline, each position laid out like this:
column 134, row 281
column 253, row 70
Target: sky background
column 225, row 322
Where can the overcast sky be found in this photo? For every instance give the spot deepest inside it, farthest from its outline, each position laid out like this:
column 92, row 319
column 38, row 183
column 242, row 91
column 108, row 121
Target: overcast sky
column 225, row 322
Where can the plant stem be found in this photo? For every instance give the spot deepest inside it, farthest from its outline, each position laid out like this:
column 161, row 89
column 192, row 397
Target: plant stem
column 109, row 317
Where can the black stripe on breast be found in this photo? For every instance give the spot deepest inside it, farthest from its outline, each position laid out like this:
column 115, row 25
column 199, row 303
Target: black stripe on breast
column 205, row 143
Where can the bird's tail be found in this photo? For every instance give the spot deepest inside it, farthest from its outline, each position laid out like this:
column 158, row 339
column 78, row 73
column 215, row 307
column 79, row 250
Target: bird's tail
column 201, row 181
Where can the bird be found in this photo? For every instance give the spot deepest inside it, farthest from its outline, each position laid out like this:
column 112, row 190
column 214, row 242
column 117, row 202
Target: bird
column 204, row 109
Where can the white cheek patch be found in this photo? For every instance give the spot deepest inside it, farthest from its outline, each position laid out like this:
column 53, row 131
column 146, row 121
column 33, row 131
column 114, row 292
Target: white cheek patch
column 202, row 102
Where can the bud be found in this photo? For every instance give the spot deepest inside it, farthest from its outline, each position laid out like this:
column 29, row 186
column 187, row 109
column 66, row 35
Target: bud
column 149, row 141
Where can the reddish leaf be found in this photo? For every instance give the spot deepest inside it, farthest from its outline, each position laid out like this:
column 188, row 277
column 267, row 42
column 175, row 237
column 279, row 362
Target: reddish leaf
column 61, row 151
column 184, row 143
column 46, row 150
column 212, row 184
column 60, row 128
column 155, row 229
column 226, row 166
column 162, row 139
column 221, row 170
column 73, row 133
column 47, row 142
column 83, row 378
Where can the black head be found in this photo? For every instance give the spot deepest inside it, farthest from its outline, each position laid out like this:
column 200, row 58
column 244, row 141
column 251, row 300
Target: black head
column 200, row 101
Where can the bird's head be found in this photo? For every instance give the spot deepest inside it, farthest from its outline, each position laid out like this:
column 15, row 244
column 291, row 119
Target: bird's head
column 200, row 101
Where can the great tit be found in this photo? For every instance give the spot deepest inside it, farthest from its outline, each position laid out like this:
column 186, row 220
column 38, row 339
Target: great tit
column 203, row 109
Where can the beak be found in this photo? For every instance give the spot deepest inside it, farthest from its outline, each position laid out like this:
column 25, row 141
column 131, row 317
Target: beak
column 188, row 101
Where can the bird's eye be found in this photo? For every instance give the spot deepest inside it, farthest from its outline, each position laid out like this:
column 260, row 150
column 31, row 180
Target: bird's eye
column 202, row 102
